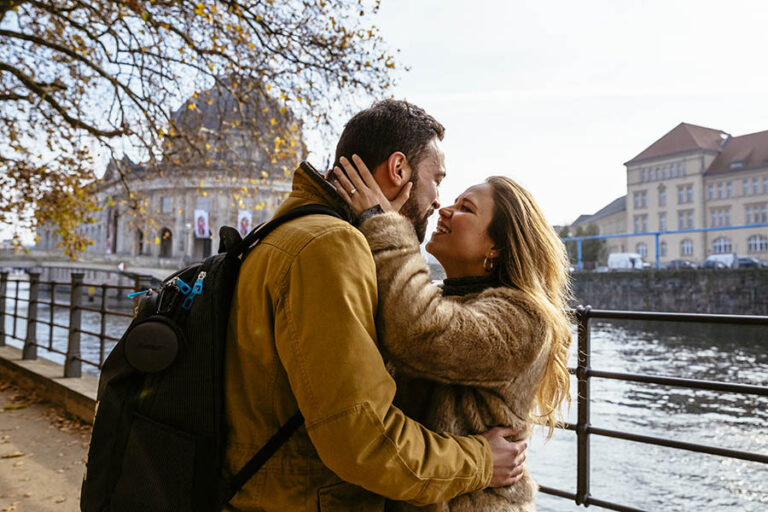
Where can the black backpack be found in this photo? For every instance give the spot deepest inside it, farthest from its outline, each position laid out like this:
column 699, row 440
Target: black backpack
column 158, row 436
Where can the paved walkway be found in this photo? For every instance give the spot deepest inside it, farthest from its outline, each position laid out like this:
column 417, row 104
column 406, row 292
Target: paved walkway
column 42, row 454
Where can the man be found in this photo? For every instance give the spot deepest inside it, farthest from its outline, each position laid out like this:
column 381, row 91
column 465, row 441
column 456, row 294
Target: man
column 302, row 337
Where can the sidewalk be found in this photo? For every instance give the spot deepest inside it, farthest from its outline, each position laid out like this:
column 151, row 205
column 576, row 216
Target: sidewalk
column 42, row 454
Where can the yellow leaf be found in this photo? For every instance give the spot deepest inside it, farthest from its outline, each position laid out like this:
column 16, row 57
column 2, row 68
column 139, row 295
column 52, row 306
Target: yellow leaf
column 273, row 121
column 157, row 240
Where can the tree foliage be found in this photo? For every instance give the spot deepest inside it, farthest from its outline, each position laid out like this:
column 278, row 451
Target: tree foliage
column 78, row 76
column 592, row 251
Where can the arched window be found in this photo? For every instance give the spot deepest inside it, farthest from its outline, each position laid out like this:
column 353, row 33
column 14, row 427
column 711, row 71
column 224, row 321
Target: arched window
column 166, row 243
column 642, row 249
column 757, row 243
column 722, row 245
column 663, row 249
column 686, row 247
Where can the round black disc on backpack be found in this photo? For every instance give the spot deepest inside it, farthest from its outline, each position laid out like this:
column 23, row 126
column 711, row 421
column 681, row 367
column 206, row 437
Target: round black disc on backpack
column 151, row 346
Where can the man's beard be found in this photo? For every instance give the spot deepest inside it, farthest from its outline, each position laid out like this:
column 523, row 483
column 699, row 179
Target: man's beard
column 410, row 211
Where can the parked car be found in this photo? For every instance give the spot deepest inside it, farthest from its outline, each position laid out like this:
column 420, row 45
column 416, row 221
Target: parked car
column 747, row 262
column 625, row 261
column 721, row 261
column 681, row 265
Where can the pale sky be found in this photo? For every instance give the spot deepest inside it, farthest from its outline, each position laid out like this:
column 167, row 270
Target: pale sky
column 559, row 94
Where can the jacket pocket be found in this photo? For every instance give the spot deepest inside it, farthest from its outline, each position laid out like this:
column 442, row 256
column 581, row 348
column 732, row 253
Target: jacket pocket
column 347, row 497
column 157, row 469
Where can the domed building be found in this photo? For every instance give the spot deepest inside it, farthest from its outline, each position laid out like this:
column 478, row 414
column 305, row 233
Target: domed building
column 227, row 160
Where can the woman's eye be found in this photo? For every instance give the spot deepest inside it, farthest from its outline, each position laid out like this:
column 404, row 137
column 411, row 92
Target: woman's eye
column 466, row 209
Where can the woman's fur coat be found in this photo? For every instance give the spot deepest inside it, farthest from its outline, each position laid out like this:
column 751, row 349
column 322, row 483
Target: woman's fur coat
column 463, row 364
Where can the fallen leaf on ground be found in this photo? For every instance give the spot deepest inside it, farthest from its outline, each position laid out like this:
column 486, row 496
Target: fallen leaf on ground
column 11, row 507
column 13, row 407
column 61, row 500
column 12, row 455
column 17, row 464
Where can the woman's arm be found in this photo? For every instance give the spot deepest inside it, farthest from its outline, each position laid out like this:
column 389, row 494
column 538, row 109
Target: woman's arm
column 483, row 342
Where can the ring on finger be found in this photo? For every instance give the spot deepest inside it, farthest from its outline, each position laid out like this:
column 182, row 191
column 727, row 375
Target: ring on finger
column 352, row 192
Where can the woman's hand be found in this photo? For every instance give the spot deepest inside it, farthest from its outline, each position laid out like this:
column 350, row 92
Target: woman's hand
column 360, row 190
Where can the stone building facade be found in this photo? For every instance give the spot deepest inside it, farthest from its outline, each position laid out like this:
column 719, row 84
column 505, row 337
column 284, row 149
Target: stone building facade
column 170, row 212
column 691, row 178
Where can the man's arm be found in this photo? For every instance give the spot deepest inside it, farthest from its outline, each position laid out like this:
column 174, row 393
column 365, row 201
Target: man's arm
column 325, row 337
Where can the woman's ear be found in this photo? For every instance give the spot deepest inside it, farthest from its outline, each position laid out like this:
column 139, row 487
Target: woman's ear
column 398, row 170
column 493, row 253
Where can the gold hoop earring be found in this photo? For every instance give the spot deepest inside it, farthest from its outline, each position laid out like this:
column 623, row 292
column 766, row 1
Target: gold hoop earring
column 488, row 264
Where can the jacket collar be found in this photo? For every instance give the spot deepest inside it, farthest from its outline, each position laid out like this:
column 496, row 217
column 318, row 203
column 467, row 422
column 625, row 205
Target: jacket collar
column 311, row 187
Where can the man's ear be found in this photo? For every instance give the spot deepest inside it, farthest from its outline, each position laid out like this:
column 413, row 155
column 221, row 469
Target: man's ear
column 398, row 170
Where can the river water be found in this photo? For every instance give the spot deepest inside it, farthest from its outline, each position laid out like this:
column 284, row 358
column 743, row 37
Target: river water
column 642, row 476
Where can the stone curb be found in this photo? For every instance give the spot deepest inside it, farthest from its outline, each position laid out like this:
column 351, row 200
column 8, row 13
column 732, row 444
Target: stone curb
column 76, row 395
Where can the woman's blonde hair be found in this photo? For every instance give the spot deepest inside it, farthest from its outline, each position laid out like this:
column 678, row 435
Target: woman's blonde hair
column 533, row 259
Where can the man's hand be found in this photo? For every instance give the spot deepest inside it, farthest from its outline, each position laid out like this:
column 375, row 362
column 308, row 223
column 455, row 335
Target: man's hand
column 508, row 456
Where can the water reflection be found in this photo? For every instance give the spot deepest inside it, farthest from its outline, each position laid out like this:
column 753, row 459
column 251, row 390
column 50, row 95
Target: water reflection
column 658, row 478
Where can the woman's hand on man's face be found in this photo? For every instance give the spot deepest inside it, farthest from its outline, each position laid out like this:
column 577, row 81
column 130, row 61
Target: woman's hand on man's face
column 360, row 190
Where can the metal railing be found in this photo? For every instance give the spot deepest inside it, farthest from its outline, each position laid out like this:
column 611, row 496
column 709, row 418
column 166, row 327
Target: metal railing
column 584, row 373
column 73, row 359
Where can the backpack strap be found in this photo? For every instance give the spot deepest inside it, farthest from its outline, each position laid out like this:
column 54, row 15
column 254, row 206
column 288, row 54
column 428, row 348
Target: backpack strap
column 234, row 484
column 243, row 248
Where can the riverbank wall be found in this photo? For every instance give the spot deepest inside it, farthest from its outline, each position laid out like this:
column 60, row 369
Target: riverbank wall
column 735, row 292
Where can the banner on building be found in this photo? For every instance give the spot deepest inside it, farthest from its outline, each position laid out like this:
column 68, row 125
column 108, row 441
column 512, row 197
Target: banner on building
column 244, row 220
column 201, row 224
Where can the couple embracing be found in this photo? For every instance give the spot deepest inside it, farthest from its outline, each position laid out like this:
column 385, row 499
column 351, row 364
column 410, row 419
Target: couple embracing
column 413, row 394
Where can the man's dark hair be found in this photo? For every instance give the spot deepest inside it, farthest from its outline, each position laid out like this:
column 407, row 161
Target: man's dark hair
column 388, row 126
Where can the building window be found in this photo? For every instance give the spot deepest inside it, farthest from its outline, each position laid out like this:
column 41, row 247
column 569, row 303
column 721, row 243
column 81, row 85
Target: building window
column 680, row 220
column 719, row 190
column 686, row 247
column 745, row 187
column 729, row 189
column 641, row 199
column 642, row 249
column 662, row 221
column 757, row 243
column 757, row 214
column 165, row 205
column 685, row 194
column 765, row 185
column 641, row 223
column 711, row 192
column 666, row 172
column 662, row 196
column 680, row 171
column 720, row 217
column 673, row 171
column 722, row 245
column 663, row 249
column 645, row 175
column 755, row 186
column 689, row 218
column 658, row 173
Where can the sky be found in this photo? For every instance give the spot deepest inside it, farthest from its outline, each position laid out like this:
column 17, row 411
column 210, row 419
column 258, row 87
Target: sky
column 559, row 94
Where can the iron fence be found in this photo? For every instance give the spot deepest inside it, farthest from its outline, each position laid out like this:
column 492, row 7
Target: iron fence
column 584, row 372
column 73, row 359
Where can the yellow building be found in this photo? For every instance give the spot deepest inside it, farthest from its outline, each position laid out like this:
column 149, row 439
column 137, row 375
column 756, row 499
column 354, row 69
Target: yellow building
column 691, row 178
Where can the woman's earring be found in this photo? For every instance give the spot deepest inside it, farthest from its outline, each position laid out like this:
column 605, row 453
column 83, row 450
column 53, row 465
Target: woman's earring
column 488, row 264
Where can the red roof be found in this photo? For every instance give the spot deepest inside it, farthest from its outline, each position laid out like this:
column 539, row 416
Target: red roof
column 684, row 137
column 742, row 153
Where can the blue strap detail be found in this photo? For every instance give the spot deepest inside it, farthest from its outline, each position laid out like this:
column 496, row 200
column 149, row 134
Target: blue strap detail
column 136, row 294
column 184, row 288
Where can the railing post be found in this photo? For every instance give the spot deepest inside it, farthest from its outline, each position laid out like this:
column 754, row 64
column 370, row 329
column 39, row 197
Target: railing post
column 3, row 291
column 580, row 264
column 30, row 343
column 582, row 434
column 73, row 367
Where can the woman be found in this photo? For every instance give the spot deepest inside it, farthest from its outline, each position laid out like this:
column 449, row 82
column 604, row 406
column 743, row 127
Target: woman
column 490, row 347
